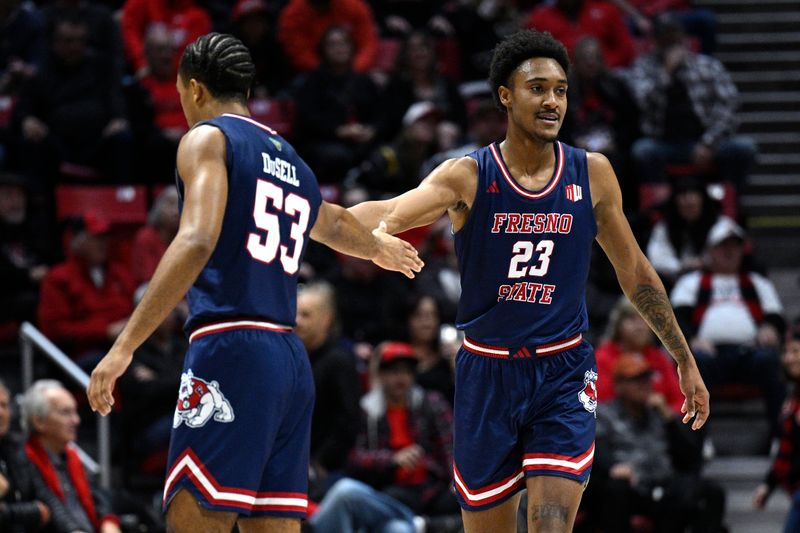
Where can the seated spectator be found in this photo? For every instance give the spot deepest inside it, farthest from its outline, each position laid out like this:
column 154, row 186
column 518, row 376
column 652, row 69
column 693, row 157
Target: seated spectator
column 440, row 277
column 23, row 47
column 86, row 300
column 699, row 23
column 600, row 117
column 785, row 468
column 628, row 335
column 152, row 240
column 397, row 167
column 184, row 20
column 72, row 112
column 405, row 445
column 302, row 23
column 25, row 502
column 416, row 78
column 647, row 462
column 336, row 417
column 254, row 24
column 51, row 418
column 688, row 106
column 569, row 20
column 401, row 18
column 103, row 37
column 371, row 293
column 420, row 315
column 678, row 240
column 148, row 392
column 337, row 110
column 733, row 319
column 24, row 251
column 487, row 124
column 351, row 505
column 156, row 112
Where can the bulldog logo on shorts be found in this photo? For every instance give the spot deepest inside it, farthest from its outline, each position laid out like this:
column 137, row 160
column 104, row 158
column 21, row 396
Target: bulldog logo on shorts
column 588, row 395
column 198, row 401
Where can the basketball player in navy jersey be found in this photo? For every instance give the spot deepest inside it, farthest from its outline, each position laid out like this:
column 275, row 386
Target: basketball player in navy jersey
column 240, row 441
column 524, row 213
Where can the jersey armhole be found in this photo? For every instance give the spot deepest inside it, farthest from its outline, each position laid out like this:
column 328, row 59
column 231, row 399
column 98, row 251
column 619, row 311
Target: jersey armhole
column 475, row 200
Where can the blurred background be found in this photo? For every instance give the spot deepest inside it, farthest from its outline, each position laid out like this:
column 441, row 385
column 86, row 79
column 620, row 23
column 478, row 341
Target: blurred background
column 696, row 104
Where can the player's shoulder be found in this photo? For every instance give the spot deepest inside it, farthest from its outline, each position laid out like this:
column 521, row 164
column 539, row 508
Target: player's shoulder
column 456, row 168
column 202, row 136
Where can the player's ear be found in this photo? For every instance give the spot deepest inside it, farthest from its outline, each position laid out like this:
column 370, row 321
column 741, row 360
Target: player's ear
column 198, row 90
column 505, row 95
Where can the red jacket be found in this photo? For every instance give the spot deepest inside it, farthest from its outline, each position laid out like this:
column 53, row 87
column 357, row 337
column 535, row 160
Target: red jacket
column 665, row 377
column 73, row 311
column 186, row 21
column 148, row 247
column 597, row 19
column 300, row 28
column 167, row 111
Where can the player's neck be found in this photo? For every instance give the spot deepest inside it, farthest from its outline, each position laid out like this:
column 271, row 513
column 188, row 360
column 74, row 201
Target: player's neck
column 217, row 108
column 526, row 155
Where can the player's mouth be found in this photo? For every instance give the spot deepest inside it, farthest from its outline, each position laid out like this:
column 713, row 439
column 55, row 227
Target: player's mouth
column 549, row 118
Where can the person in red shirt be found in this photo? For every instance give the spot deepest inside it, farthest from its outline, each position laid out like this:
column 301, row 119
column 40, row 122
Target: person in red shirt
column 569, row 20
column 151, row 241
column 302, row 23
column 405, row 446
column 86, row 300
column 182, row 18
column 629, row 334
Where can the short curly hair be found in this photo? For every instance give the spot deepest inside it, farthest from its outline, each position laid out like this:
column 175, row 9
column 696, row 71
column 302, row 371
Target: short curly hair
column 518, row 47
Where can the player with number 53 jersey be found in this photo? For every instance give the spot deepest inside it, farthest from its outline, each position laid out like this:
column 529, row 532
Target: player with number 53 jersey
column 239, row 448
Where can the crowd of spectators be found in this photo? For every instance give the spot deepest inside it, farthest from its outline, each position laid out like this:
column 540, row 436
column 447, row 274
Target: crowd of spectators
column 375, row 94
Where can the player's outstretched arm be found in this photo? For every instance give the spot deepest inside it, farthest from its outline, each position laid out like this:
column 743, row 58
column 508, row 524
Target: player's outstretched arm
column 449, row 187
column 201, row 164
column 337, row 228
column 642, row 286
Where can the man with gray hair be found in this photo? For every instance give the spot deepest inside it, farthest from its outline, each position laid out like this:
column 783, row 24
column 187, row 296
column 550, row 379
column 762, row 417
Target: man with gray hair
column 334, row 423
column 50, row 417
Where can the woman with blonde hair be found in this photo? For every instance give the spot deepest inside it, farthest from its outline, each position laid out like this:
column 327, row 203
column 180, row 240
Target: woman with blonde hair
column 628, row 333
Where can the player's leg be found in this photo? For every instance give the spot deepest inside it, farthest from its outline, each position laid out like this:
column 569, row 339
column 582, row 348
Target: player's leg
column 500, row 519
column 185, row 514
column 273, row 524
column 488, row 460
column 552, row 503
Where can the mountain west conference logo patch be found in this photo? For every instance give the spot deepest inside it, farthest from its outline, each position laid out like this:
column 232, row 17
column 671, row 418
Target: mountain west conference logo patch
column 588, row 395
column 198, row 401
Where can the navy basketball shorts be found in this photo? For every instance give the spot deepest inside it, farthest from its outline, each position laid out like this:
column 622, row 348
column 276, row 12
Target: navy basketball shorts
column 521, row 415
column 242, row 426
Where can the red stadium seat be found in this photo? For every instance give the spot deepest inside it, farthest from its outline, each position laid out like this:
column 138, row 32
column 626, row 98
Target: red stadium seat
column 120, row 205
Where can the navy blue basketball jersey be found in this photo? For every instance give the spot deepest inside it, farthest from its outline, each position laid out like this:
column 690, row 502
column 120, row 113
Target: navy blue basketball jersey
column 273, row 200
column 524, row 256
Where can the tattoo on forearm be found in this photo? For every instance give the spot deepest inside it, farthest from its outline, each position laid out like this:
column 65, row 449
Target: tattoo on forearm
column 550, row 512
column 654, row 306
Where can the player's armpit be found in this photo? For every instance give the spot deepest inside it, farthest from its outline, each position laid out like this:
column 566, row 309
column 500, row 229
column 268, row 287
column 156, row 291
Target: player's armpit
column 450, row 186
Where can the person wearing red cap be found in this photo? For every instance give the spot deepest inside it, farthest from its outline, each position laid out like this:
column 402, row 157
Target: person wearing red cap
column 86, row 300
column 405, row 445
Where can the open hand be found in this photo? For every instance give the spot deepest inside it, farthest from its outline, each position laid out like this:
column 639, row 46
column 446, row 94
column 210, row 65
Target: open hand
column 395, row 254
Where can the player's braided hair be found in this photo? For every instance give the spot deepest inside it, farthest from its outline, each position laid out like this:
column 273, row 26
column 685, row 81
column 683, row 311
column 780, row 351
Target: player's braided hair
column 222, row 63
column 518, row 47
